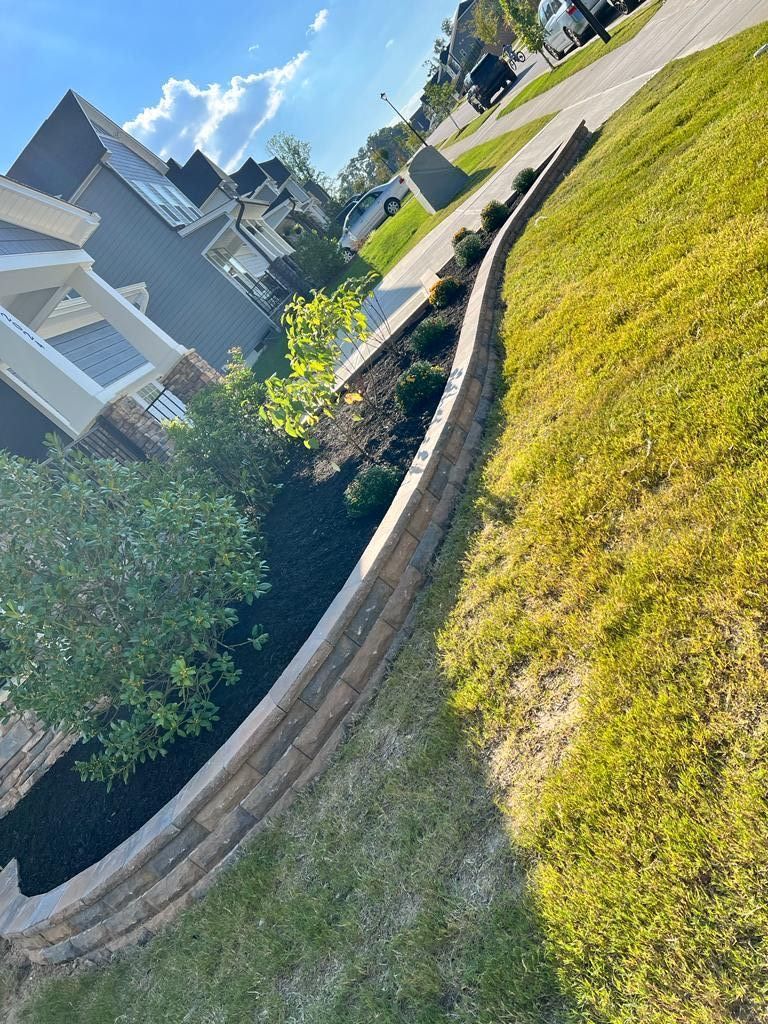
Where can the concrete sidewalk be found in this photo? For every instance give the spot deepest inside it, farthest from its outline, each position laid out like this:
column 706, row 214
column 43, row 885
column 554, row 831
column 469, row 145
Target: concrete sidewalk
column 680, row 27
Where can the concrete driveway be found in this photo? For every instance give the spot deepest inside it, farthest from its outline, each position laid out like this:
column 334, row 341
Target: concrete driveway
column 681, row 27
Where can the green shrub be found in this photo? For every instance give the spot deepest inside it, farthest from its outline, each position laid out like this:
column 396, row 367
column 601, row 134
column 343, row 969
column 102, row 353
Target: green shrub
column 225, row 441
column 523, row 180
column 493, row 215
column 318, row 256
column 418, row 384
column 430, row 335
column 461, row 233
column 116, row 595
column 469, row 250
column 371, row 491
column 444, row 292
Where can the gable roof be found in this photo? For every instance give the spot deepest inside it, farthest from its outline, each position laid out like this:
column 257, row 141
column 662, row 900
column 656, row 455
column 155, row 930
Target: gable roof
column 317, row 191
column 198, row 178
column 249, row 176
column 277, row 170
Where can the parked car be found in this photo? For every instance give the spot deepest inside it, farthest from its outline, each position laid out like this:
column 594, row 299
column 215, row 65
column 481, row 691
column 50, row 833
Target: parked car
column 369, row 211
column 487, row 77
column 565, row 26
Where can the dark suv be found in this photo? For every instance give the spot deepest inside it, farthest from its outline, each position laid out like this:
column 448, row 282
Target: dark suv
column 485, row 79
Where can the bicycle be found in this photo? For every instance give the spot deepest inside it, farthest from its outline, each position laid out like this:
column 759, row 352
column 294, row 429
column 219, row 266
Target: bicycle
column 513, row 57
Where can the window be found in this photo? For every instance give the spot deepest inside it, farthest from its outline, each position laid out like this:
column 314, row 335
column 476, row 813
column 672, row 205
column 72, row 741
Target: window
column 169, row 201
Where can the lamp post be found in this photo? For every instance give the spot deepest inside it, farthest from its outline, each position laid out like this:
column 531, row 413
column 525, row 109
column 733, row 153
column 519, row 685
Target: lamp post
column 404, row 120
column 593, row 21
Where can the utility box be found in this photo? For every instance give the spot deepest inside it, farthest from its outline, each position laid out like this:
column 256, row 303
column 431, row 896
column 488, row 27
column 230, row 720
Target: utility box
column 434, row 180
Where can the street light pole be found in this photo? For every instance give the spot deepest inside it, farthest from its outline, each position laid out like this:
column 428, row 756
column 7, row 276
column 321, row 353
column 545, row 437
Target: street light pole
column 596, row 24
column 404, row 120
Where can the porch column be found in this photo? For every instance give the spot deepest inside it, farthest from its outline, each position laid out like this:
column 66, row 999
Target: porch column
column 154, row 344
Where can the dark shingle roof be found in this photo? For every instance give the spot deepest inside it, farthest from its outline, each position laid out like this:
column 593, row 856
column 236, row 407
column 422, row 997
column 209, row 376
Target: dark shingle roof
column 248, row 177
column 277, row 170
column 197, row 178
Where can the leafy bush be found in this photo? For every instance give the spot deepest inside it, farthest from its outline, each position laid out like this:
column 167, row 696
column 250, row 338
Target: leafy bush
column 318, row 256
column 493, row 215
column 444, row 292
column 116, row 595
column 461, row 233
column 372, row 490
column 418, row 384
column 523, row 180
column 429, row 335
column 225, row 440
column 469, row 250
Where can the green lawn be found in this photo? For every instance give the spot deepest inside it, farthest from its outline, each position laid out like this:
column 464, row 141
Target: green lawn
column 556, row 812
column 400, row 233
column 469, row 129
column 582, row 58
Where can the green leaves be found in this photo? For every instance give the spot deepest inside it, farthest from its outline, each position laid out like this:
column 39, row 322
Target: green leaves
column 118, row 586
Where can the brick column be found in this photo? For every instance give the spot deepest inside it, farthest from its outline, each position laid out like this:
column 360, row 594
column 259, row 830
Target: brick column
column 190, row 375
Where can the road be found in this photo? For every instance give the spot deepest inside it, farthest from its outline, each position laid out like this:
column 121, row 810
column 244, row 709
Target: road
column 681, row 27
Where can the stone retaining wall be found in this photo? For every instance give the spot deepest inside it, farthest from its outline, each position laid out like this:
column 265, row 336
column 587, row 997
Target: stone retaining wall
column 27, row 750
column 129, row 895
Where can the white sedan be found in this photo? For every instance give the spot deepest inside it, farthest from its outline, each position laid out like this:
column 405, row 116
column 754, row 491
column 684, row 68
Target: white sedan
column 369, row 211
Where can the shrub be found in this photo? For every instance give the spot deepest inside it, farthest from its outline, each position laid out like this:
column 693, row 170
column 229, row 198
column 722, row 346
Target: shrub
column 523, row 180
column 430, row 335
column 493, row 215
column 318, row 256
column 461, row 233
column 225, row 440
column 116, row 595
column 372, row 490
column 444, row 292
column 418, row 384
column 469, row 250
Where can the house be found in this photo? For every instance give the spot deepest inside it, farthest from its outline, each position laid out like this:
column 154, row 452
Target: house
column 217, row 269
column 464, row 48
column 78, row 357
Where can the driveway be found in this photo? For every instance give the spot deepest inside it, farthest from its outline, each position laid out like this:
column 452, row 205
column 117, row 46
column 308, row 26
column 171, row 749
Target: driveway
column 681, row 27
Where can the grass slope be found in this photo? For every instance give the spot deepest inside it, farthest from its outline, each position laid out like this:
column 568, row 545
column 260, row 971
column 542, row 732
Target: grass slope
column 398, row 235
column 580, row 59
column 601, row 607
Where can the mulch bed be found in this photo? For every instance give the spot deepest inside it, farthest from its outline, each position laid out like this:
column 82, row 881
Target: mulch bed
column 63, row 825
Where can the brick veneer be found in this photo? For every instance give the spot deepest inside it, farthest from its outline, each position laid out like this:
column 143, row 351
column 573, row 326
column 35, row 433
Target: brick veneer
column 190, row 375
column 285, row 742
column 27, row 750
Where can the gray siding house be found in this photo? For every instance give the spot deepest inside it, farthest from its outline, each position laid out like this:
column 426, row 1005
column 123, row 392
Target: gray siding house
column 217, row 278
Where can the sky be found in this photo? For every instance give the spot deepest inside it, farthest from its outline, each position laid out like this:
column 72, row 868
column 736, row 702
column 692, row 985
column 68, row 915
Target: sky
column 221, row 76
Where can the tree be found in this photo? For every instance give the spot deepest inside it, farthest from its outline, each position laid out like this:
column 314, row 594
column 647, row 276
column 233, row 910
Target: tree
column 384, row 152
column 296, row 154
column 318, row 256
column 520, row 14
column 441, row 99
column 224, row 443
column 116, row 589
column 488, row 21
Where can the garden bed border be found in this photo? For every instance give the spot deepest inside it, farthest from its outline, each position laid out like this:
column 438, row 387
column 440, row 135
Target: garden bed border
column 132, row 893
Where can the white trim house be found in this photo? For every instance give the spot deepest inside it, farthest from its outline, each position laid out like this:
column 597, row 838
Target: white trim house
column 70, row 344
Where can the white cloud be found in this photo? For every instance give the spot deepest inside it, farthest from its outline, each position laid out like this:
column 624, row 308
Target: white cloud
column 320, row 21
column 389, row 42
column 253, row 48
column 222, row 120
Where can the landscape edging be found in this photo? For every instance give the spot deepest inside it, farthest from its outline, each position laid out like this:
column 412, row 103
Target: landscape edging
column 132, row 893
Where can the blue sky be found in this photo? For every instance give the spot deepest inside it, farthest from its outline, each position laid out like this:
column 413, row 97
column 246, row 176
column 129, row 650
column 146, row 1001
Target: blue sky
column 225, row 76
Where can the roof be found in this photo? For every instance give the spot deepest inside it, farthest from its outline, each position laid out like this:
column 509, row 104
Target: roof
column 249, row 176
column 277, row 170
column 99, row 351
column 317, row 191
column 198, row 177
column 282, row 197
column 16, row 239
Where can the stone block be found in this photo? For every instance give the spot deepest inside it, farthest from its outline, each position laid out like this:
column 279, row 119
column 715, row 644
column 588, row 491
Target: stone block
column 93, row 938
column 335, row 706
column 456, row 443
column 291, row 682
column 445, row 507
column 276, row 744
column 230, row 794
column 372, row 652
column 401, row 601
column 440, row 477
column 275, row 782
column 136, row 883
column 399, row 559
column 232, row 827
column 369, row 611
column 178, row 848
column 427, row 548
column 57, row 954
column 129, row 917
column 172, row 885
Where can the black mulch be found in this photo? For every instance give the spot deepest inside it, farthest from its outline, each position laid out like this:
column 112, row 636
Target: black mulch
column 63, row 825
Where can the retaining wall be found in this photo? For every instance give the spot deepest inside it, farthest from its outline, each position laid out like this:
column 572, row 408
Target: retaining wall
column 129, row 895
column 27, row 750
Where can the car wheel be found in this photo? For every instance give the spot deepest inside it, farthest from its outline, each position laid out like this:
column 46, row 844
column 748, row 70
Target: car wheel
column 553, row 52
column 622, row 6
column 573, row 37
column 348, row 254
column 391, row 206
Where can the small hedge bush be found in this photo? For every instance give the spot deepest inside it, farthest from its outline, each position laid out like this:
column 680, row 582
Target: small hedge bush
column 444, row 292
column 372, row 490
column 430, row 335
column 418, row 384
column 494, row 215
column 461, row 233
column 469, row 250
column 524, row 180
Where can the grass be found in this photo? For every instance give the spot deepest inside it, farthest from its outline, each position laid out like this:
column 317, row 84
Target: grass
column 273, row 359
column 582, row 58
column 555, row 812
column 399, row 234
column 470, row 128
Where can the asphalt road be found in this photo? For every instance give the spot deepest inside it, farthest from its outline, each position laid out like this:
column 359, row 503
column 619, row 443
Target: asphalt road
column 681, row 27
